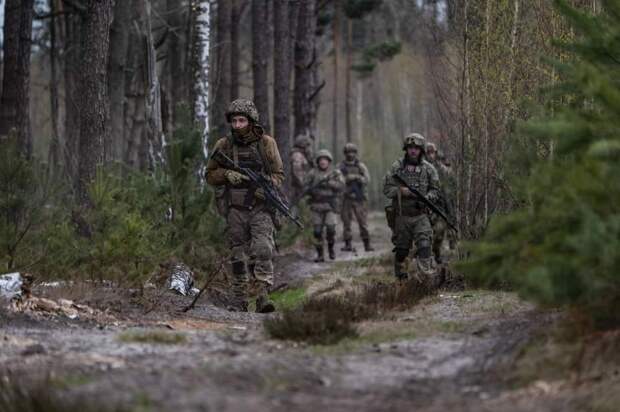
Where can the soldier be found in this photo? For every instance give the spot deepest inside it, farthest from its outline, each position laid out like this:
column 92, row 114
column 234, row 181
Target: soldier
column 438, row 224
column 301, row 163
column 249, row 220
column 355, row 203
column 411, row 219
column 324, row 185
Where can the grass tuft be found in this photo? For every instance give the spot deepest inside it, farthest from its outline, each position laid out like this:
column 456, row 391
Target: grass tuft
column 327, row 319
column 152, row 336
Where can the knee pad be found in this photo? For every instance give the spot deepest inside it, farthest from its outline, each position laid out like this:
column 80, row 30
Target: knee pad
column 424, row 252
column 400, row 254
column 318, row 232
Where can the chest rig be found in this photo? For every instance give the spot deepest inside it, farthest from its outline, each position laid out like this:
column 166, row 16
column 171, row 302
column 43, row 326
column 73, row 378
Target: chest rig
column 249, row 156
column 418, row 178
column 323, row 193
column 354, row 189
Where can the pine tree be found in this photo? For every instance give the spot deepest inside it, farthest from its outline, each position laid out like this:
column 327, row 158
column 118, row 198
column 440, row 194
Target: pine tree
column 563, row 247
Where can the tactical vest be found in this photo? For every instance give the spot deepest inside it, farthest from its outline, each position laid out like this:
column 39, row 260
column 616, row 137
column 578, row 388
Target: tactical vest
column 250, row 156
column 419, row 179
column 322, row 198
column 355, row 190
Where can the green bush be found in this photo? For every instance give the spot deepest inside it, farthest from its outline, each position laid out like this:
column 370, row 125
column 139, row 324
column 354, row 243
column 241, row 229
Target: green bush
column 563, row 247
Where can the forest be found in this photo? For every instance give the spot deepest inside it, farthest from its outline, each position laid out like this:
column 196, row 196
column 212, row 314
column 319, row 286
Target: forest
column 111, row 112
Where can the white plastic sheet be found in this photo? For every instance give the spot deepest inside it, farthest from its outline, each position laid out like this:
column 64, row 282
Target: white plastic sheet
column 11, row 285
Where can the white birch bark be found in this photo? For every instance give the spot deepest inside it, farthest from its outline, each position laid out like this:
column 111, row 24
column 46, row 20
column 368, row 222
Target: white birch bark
column 202, row 10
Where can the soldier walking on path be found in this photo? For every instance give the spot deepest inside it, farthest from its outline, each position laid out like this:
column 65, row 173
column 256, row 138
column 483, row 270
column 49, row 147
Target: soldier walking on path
column 301, row 164
column 355, row 201
column 250, row 226
column 324, row 186
column 410, row 217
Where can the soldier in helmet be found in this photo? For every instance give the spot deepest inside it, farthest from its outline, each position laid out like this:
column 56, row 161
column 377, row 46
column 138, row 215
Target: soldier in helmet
column 411, row 219
column 301, row 163
column 249, row 219
column 355, row 202
column 324, row 185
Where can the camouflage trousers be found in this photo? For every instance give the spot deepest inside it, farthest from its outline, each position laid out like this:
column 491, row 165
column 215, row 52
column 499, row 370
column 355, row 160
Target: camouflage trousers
column 250, row 235
column 407, row 231
column 441, row 232
column 358, row 210
column 324, row 219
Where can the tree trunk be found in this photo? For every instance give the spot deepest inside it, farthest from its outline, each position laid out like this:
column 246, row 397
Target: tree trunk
column 93, row 92
column 223, row 70
column 305, row 60
column 71, row 46
column 155, row 132
column 119, row 44
column 238, row 7
column 15, row 101
column 281, row 74
column 347, row 81
column 200, row 71
column 177, row 89
column 336, row 42
column 54, row 149
column 260, row 60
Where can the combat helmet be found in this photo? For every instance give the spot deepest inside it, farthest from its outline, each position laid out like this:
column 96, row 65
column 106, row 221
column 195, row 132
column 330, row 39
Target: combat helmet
column 429, row 146
column 414, row 139
column 350, row 147
column 302, row 142
column 324, row 153
column 242, row 107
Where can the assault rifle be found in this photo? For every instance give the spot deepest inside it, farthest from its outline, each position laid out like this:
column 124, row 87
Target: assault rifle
column 272, row 197
column 436, row 209
column 314, row 186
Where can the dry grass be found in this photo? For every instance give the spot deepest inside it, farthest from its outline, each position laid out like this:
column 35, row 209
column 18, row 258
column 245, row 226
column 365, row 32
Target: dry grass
column 327, row 319
column 152, row 336
column 41, row 396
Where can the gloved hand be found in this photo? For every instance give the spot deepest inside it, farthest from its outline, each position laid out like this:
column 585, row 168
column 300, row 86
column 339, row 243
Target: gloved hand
column 353, row 177
column 259, row 193
column 405, row 192
column 432, row 196
column 235, row 178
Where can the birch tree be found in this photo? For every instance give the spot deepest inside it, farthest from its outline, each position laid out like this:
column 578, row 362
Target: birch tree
column 200, row 70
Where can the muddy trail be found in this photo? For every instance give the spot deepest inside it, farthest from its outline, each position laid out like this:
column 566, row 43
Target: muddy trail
column 456, row 350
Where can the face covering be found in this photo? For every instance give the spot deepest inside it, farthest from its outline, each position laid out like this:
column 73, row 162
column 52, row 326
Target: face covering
column 242, row 134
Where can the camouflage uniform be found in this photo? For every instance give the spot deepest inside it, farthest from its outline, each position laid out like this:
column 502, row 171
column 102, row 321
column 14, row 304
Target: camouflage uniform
column 355, row 201
column 323, row 202
column 250, row 226
column 438, row 224
column 301, row 164
column 411, row 219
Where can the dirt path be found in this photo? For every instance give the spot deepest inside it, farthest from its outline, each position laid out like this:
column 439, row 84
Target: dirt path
column 453, row 351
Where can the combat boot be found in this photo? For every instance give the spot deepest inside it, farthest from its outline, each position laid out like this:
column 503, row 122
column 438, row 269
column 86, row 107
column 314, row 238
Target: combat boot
column 398, row 271
column 330, row 249
column 367, row 246
column 319, row 254
column 347, row 246
column 263, row 303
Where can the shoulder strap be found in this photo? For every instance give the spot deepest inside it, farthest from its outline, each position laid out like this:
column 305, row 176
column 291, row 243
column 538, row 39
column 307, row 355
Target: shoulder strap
column 263, row 154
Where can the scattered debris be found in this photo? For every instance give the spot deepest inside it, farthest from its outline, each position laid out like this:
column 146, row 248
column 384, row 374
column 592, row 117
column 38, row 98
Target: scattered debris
column 181, row 280
column 62, row 307
column 11, row 285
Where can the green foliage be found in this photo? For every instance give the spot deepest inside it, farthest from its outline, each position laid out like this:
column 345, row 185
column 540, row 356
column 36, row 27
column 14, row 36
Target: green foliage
column 25, row 192
column 379, row 52
column 563, row 247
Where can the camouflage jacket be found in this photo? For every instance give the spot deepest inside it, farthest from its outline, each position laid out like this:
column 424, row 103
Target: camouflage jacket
column 424, row 177
column 356, row 177
column 324, row 196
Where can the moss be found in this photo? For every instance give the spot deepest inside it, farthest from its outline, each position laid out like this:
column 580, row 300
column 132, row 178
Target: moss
column 289, row 298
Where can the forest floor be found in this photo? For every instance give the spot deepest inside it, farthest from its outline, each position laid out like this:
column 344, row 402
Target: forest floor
column 459, row 350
